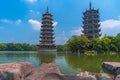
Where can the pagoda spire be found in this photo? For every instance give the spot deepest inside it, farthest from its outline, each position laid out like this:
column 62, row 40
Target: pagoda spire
column 47, row 10
column 90, row 5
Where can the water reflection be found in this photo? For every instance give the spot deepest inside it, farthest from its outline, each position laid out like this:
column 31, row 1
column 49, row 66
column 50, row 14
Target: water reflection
column 46, row 57
column 35, row 58
column 68, row 63
column 90, row 63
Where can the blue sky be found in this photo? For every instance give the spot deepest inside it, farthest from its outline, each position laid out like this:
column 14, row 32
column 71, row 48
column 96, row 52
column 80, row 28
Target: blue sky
column 20, row 20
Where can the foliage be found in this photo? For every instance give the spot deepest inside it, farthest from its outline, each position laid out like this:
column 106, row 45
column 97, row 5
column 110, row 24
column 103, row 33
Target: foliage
column 23, row 47
column 60, row 48
column 17, row 47
column 81, row 44
column 77, row 44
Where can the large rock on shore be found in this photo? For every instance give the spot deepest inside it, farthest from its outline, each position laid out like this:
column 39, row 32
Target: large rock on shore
column 114, row 67
column 45, row 72
column 15, row 71
column 51, row 72
column 26, row 71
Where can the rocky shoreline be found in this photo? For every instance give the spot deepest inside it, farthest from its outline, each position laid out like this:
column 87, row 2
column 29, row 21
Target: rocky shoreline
column 26, row 71
column 114, row 67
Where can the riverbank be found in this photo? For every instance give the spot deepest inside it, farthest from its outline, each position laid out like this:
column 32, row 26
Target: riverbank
column 26, row 71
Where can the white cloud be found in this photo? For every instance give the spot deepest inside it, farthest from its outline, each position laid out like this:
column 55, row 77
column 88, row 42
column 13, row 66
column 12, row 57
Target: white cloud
column 6, row 21
column 35, row 23
column 61, row 39
column 77, row 31
column 32, row 12
column 18, row 21
column 32, row 1
column 55, row 24
column 110, row 27
column 111, row 23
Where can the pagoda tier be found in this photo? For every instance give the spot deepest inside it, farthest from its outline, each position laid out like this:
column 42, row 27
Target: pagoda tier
column 47, row 33
column 91, row 25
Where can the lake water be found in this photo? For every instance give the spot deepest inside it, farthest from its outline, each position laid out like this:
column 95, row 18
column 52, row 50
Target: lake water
column 68, row 63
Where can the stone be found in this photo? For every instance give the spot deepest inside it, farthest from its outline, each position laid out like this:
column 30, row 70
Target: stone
column 117, row 77
column 87, row 76
column 51, row 72
column 117, row 71
column 45, row 72
column 113, row 66
column 15, row 71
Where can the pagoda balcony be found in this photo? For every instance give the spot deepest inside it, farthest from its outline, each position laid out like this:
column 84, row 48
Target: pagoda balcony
column 47, row 33
column 47, row 26
column 91, row 14
column 92, row 29
column 47, row 44
column 50, row 37
column 47, row 19
column 47, row 22
column 44, row 22
column 47, row 29
column 47, row 41
column 47, row 14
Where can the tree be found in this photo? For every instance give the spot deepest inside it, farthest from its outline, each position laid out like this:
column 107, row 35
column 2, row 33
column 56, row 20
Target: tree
column 77, row 44
column 3, row 47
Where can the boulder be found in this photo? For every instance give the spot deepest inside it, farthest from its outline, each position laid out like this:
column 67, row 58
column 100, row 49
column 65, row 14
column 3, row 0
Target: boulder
column 15, row 71
column 117, row 72
column 51, row 72
column 87, row 76
column 45, row 72
column 117, row 77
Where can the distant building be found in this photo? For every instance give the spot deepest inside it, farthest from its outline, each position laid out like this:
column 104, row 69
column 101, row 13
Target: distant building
column 47, row 34
column 91, row 25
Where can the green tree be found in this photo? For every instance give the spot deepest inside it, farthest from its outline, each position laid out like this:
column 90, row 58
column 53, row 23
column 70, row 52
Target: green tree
column 2, row 47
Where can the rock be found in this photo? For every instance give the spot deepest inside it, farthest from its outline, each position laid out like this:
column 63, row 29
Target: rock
column 45, row 72
column 15, row 71
column 117, row 77
column 51, row 72
column 117, row 72
column 87, row 76
column 114, row 67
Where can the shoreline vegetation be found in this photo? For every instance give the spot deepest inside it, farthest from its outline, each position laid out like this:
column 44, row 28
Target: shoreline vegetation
column 76, row 44
column 23, row 47
column 104, row 45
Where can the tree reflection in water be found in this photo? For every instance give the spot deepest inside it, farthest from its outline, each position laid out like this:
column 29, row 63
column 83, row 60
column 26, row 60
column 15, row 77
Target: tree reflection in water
column 90, row 63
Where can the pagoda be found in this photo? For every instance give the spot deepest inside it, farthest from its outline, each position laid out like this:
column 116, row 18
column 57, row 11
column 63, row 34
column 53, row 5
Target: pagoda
column 91, row 25
column 47, row 34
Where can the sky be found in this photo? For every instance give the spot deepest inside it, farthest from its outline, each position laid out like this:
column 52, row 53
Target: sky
column 20, row 20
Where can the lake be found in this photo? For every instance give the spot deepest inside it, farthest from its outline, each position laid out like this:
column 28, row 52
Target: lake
column 68, row 63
